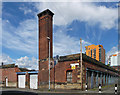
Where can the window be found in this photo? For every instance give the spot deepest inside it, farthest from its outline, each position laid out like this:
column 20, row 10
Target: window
column 95, row 53
column 69, row 76
column 99, row 53
column 91, row 52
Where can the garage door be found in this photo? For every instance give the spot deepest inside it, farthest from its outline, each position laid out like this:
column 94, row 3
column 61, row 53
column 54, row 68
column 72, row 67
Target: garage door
column 21, row 81
column 34, row 81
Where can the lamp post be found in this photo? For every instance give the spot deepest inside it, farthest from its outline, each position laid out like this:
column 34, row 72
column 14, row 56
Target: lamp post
column 81, row 61
column 49, row 60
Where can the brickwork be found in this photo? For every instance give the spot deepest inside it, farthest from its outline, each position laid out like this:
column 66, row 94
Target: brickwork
column 45, row 30
column 9, row 73
column 58, row 74
column 98, row 68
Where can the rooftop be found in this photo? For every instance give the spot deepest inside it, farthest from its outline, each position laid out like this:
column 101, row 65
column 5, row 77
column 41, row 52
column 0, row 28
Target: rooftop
column 85, row 59
column 93, row 45
column 25, row 69
column 8, row 66
column 47, row 11
column 13, row 66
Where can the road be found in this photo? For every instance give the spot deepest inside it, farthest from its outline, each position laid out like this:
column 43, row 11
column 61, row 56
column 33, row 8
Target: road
column 109, row 90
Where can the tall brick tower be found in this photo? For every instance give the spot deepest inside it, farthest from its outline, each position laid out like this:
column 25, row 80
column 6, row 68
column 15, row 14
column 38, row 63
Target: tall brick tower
column 45, row 30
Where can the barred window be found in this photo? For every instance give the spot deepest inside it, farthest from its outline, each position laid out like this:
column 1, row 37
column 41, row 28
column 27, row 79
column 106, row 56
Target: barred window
column 69, row 76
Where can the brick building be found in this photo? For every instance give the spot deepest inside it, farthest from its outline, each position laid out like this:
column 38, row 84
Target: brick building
column 62, row 76
column 8, row 76
column 96, row 51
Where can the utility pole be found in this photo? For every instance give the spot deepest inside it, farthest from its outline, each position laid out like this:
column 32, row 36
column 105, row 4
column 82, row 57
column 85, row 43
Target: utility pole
column 81, row 62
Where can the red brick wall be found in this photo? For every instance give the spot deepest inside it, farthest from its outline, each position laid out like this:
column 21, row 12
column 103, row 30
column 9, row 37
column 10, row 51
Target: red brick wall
column 45, row 30
column 10, row 73
column 43, row 65
column 98, row 68
column 59, row 71
column 58, row 74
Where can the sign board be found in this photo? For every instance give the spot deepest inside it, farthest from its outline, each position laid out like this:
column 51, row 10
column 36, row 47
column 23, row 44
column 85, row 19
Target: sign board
column 74, row 65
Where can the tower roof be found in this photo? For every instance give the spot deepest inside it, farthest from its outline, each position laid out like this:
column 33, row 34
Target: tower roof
column 47, row 11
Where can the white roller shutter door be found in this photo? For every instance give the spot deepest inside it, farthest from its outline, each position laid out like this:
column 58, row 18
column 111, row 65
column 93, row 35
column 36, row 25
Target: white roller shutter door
column 21, row 81
column 34, row 81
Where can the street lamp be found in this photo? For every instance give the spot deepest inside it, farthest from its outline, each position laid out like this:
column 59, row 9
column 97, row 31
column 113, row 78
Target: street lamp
column 81, row 62
column 49, row 60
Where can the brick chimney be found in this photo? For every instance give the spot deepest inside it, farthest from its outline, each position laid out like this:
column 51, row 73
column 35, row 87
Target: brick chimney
column 45, row 30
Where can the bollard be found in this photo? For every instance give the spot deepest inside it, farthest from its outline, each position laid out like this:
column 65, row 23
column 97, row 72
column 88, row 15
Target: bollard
column 86, row 87
column 115, row 88
column 99, row 88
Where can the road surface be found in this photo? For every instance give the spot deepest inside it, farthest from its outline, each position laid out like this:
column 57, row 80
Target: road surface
column 109, row 90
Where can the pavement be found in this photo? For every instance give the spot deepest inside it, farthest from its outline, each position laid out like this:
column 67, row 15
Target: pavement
column 106, row 90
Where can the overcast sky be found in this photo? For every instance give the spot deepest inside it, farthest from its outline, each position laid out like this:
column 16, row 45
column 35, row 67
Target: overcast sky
column 96, row 23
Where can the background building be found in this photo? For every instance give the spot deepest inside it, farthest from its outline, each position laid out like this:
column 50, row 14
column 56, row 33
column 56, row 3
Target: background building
column 8, row 75
column 96, row 52
column 112, row 60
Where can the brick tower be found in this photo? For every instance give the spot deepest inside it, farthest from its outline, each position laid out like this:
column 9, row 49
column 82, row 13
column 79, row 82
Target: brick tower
column 45, row 30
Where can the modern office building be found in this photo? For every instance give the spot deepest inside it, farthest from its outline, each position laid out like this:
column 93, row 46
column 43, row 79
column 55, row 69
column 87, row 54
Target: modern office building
column 112, row 60
column 96, row 52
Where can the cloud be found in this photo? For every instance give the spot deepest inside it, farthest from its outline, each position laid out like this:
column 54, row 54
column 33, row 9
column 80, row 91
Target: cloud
column 26, row 10
column 0, row 27
column 0, row 35
column 0, row 9
column 113, row 50
column 61, row 0
column 65, row 13
column 65, row 44
column 25, row 62
column 5, row 59
column 23, row 38
column 22, row 62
